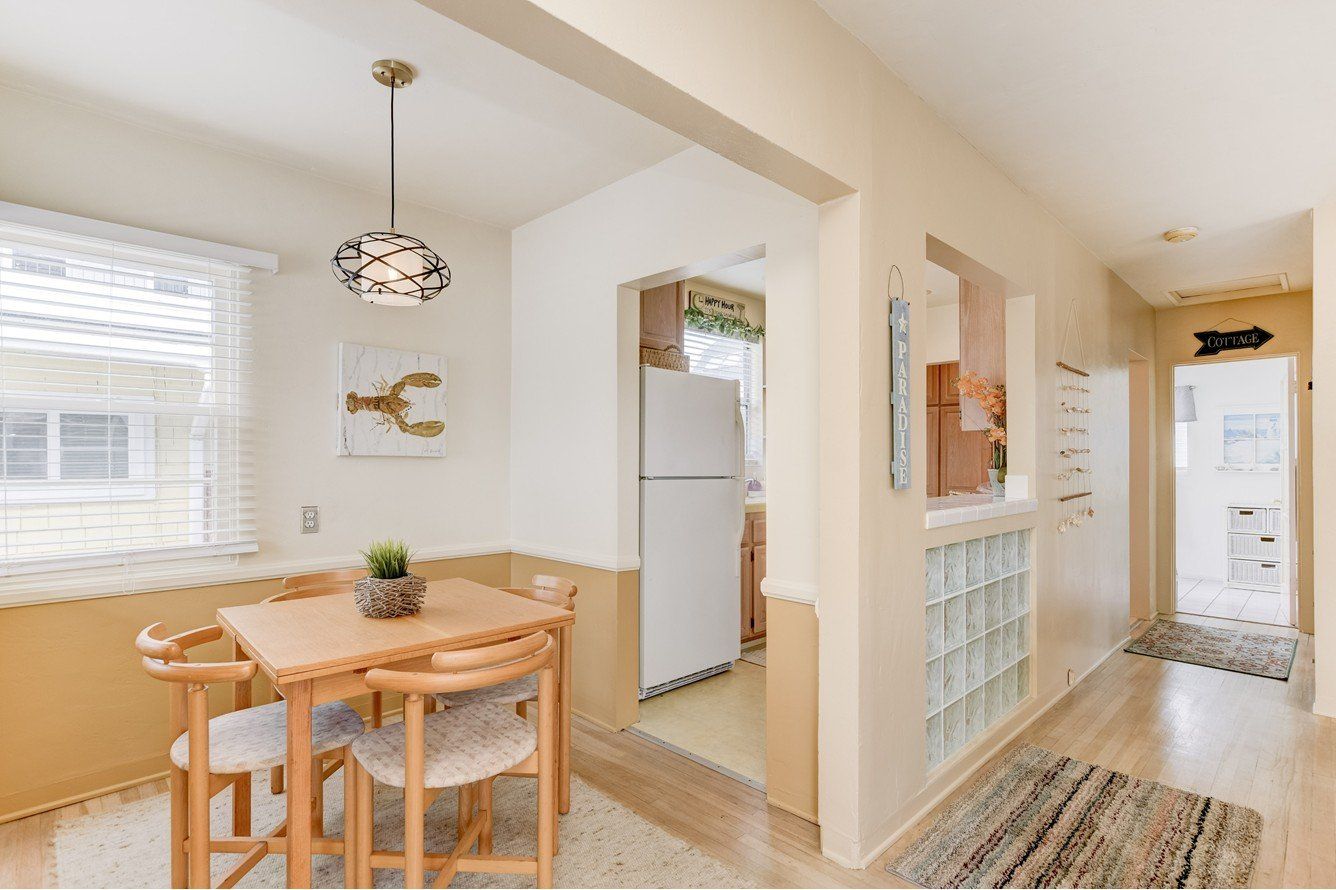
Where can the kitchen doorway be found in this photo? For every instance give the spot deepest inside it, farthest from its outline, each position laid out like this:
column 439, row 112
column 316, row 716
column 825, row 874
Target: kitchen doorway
column 702, row 684
column 1235, row 455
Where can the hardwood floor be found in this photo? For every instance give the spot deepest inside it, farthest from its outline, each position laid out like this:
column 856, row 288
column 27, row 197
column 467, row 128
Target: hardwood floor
column 1244, row 739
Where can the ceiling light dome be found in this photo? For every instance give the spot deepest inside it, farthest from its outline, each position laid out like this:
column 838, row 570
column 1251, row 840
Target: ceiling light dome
column 390, row 268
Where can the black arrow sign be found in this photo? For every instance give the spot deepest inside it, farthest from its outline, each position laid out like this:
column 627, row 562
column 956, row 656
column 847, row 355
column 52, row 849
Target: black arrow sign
column 1216, row 342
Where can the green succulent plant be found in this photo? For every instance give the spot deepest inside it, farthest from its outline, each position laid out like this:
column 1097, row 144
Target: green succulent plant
column 387, row 559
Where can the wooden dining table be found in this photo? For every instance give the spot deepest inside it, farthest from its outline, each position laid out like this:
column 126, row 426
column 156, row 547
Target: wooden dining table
column 318, row 649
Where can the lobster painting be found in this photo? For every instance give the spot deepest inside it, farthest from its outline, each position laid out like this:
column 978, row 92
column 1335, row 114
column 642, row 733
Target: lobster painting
column 390, row 403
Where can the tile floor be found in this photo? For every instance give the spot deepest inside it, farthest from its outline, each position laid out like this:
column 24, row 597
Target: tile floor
column 718, row 721
column 1213, row 598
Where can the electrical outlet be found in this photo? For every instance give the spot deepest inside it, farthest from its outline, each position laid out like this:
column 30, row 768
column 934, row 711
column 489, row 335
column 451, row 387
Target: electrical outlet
column 310, row 520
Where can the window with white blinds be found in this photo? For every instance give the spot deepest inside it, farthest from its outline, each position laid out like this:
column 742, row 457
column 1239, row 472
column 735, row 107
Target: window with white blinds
column 729, row 358
column 123, row 440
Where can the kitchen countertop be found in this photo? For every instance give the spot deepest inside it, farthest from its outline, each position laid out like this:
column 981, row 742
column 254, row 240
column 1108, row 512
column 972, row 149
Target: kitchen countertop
column 754, row 505
column 961, row 508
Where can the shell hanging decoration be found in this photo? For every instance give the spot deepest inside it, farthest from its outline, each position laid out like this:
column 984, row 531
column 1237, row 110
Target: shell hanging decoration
column 1074, row 397
column 390, row 403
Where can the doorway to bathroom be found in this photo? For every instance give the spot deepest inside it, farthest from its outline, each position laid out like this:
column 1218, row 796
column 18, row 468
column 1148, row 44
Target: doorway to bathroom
column 1234, row 498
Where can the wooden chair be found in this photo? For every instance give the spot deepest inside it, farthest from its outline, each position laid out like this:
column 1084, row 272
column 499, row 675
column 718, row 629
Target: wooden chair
column 563, row 586
column 208, row 756
column 297, row 587
column 465, row 748
column 519, row 692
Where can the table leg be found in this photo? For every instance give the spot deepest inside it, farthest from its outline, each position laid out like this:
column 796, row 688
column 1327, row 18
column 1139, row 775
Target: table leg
column 564, row 721
column 241, row 791
column 298, row 698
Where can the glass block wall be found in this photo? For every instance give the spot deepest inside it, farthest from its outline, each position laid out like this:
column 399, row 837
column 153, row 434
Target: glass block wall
column 978, row 637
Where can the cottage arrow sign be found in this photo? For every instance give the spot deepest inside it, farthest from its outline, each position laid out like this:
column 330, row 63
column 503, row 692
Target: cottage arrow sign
column 1216, row 342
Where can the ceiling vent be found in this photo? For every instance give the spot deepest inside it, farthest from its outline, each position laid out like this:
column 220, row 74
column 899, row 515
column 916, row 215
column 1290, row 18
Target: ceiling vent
column 1258, row 286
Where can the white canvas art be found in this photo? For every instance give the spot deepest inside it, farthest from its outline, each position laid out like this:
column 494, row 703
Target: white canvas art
column 391, row 403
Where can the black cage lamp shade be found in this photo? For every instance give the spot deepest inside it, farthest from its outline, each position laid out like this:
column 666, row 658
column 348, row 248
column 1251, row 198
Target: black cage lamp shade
column 390, row 268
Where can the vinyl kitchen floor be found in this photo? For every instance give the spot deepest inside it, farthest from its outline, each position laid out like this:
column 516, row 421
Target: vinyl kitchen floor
column 1213, row 598
column 719, row 721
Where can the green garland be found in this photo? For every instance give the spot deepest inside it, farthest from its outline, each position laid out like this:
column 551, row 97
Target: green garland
column 721, row 324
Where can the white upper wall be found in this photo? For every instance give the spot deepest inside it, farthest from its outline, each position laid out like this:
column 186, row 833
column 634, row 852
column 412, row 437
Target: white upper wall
column 65, row 159
column 574, row 418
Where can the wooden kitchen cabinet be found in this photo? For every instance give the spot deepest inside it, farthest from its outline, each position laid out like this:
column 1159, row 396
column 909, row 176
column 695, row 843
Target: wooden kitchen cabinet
column 957, row 459
column 662, row 316
column 753, row 573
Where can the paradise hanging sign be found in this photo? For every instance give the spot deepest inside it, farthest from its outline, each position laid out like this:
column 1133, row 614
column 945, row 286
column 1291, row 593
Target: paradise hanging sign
column 900, row 444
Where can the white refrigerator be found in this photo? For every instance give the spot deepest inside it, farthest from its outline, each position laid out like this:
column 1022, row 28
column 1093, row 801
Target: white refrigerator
column 691, row 522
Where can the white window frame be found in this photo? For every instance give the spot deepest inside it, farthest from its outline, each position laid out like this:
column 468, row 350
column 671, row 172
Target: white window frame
column 1252, row 466
column 142, row 447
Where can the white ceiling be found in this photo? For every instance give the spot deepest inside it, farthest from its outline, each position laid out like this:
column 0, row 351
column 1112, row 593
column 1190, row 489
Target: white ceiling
column 942, row 285
column 483, row 132
column 747, row 279
column 1128, row 118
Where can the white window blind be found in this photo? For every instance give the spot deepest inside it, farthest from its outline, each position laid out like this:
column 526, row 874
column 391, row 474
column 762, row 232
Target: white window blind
column 729, row 358
column 1181, row 445
column 123, row 387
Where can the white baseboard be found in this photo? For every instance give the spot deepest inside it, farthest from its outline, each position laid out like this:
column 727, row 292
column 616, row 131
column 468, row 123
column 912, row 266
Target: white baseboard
column 864, row 860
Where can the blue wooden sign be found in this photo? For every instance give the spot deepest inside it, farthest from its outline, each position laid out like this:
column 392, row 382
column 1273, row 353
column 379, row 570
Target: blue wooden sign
column 900, row 444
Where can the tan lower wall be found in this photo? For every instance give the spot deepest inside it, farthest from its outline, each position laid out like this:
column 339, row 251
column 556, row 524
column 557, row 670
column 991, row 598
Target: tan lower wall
column 78, row 715
column 606, row 649
column 791, row 707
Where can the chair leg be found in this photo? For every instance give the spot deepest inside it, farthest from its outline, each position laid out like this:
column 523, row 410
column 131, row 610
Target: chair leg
column 276, row 780
column 366, row 833
column 351, row 819
column 485, row 814
column 547, row 775
column 241, row 806
column 522, row 708
column 198, row 704
column 377, row 710
column 317, row 797
column 465, row 814
column 180, row 826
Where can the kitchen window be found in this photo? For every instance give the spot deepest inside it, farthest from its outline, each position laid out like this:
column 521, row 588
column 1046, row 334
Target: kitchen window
column 123, row 421
column 729, row 358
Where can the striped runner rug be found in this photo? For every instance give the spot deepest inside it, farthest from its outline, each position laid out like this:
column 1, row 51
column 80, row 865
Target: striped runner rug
column 1038, row 819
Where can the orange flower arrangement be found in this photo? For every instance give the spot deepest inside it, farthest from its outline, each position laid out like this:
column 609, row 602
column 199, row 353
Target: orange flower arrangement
column 992, row 398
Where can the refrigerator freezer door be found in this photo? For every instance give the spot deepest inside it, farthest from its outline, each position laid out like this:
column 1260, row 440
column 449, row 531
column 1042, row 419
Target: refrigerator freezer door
column 689, row 577
column 689, row 425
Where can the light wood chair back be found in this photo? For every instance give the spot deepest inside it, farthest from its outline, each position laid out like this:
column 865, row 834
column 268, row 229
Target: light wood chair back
column 458, row 671
column 543, row 595
column 564, row 586
column 165, row 658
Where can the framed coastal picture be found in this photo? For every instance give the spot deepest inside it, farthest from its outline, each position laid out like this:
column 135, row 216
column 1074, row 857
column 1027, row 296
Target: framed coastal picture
column 391, row 403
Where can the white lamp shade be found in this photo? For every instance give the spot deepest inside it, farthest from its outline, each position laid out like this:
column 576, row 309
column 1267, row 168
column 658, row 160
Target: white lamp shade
column 1185, row 404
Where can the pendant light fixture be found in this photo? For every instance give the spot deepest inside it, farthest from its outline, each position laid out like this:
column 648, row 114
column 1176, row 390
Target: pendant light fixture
column 387, row 267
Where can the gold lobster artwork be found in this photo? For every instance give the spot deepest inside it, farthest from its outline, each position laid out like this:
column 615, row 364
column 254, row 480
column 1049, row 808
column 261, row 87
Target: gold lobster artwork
column 390, row 403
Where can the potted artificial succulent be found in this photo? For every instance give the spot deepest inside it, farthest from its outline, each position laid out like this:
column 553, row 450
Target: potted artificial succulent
column 388, row 591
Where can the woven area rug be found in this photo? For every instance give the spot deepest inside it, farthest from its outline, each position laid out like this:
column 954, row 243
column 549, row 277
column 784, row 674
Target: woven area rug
column 1038, row 819
column 1263, row 655
column 603, row 844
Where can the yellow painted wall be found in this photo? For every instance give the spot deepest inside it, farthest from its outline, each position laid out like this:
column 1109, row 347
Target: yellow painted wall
column 1290, row 318
column 80, row 716
column 791, row 707
column 606, row 649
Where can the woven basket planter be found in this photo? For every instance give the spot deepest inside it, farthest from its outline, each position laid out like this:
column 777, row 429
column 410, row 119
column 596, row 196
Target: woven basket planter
column 390, row 597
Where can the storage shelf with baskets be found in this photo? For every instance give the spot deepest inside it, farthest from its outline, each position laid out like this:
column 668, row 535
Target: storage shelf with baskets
column 1256, row 546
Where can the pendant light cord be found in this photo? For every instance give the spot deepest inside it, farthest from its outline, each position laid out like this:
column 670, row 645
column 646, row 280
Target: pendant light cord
column 391, row 151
